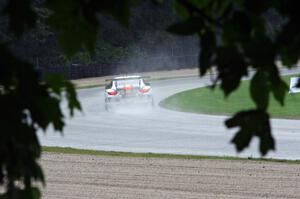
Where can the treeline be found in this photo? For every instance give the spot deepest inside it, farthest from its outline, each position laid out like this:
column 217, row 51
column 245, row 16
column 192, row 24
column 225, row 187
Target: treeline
column 144, row 38
column 144, row 45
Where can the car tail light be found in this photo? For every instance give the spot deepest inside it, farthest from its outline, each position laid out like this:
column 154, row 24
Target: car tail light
column 128, row 87
column 111, row 92
column 145, row 89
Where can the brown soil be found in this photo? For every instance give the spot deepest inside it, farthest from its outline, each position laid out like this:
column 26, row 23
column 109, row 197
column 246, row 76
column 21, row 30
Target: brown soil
column 85, row 176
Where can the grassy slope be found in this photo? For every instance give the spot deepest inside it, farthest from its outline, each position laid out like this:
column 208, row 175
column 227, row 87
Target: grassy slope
column 205, row 100
column 68, row 150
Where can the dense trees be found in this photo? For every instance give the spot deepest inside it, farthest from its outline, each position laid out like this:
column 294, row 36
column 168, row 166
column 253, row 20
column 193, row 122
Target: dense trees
column 115, row 43
column 234, row 36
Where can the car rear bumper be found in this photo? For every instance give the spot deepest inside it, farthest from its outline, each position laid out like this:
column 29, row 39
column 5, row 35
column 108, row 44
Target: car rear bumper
column 129, row 97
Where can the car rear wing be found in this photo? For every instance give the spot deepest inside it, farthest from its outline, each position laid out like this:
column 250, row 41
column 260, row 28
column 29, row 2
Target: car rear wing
column 139, row 77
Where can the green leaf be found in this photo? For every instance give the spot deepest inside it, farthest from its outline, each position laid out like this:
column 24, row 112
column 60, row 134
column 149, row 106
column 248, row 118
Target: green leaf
column 48, row 111
column 75, row 30
column 289, row 56
column 208, row 46
column 252, row 123
column 201, row 4
column 223, row 8
column 28, row 193
column 73, row 103
column 158, row 2
column 38, row 173
column 3, row 196
column 36, row 193
column 56, row 82
column 121, row 11
column 277, row 85
column 21, row 16
column 260, row 89
column 267, row 143
column 118, row 9
column 231, row 68
column 181, row 10
column 279, row 91
column 260, row 51
column 190, row 26
column 31, row 193
column 257, row 7
column 237, row 29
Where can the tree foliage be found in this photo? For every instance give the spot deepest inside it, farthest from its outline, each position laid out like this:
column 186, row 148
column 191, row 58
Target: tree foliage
column 234, row 37
column 115, row 43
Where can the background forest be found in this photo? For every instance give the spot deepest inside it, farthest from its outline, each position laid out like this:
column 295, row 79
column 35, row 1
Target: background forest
column 144, row 46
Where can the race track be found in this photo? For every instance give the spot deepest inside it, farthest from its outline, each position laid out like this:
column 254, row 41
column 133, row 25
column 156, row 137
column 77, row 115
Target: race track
column 158, row 130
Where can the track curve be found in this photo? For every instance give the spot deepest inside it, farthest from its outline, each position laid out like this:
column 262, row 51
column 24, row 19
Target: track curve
column 157, row 130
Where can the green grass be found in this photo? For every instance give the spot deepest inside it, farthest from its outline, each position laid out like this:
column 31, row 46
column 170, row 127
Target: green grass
column 205, row 100
column 157, row 155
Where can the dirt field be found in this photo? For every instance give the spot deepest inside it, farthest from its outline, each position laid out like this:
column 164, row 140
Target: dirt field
column 84, row 176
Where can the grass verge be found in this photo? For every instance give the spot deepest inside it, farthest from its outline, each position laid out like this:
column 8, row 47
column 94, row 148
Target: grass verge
column 205, row 100
column 67, row 150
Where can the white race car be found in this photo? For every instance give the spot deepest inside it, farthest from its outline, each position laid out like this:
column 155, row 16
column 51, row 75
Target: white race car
column 125, row 90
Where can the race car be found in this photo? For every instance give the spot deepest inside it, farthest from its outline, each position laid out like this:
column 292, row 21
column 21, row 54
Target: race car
column 127, row 90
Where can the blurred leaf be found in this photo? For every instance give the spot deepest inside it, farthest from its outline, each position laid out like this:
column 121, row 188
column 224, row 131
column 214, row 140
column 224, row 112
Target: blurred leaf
column 37, row 173
column 118, row 9
column 260, row 89
column 279, row 90
column 223, row 8
column 200, row 4
column 29, row 193
column 208, row 46
column 252, row 123
column 75, row 30
column 288, row 58
column 259, row 28
column 26, row 105
column 21, row 16
column 158, row 2
column 288, row 38
column 257, row 7
column 277, row 85
column 237, row 28
column 55, row 81
column 188, row 27
column 73, row 103
column 1, row 177
column 231, row 68
column 33, row 193
column 3, row 196
column 181, row 10
column 260, row 51
column 77, row 21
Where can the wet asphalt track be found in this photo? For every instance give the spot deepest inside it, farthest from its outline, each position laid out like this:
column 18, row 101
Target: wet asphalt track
column 157, row 130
